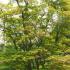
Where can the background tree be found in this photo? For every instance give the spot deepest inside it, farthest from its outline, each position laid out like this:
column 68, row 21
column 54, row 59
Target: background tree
column 36, row 35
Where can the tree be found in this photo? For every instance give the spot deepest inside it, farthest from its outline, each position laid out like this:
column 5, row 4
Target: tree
column 36, row 35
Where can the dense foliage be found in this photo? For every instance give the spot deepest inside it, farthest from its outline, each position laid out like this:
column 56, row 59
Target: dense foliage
column 36, row 35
